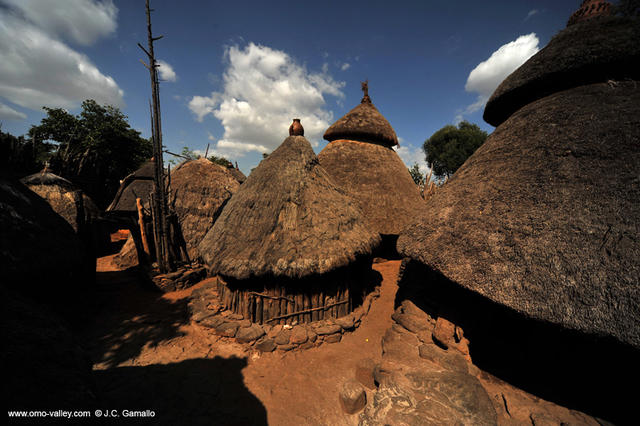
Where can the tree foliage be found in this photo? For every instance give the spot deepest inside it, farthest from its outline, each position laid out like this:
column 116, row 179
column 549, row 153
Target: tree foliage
column 221, row 161
column 416, row 175
column 95, row 149
column 20, row 157
column 448, row 148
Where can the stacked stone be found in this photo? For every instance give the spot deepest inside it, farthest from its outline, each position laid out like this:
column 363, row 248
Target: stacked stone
column 208, row 312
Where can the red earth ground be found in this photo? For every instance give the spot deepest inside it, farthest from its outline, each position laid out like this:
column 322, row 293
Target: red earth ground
column 148, row 355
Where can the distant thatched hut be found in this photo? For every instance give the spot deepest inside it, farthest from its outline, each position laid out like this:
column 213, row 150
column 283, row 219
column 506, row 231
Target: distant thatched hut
column 199, row 191
column 74, row 206
column 290, row 241
column 138, row 184
column 361, row 159
column 39, row 250
column 64, row 197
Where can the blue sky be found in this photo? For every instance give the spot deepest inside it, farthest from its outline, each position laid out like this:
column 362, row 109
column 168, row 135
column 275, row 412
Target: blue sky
column 238, row 72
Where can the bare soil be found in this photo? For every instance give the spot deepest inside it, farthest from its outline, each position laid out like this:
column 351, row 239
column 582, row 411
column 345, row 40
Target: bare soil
column 148, row 355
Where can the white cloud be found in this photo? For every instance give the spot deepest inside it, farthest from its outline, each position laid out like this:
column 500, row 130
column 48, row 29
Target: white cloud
column 411, row 155
column 531, row 13
column 345, row 66
column 166, row 71
column 488, row 74
column 83, row 21
column 8, row 113
column 263, row 90
column 37, row 69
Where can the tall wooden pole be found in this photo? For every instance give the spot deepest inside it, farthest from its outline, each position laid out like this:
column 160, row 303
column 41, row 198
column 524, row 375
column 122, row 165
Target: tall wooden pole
column 161, row 228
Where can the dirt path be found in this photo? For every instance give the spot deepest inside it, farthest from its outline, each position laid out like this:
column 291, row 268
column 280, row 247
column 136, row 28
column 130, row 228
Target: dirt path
column 148, row 355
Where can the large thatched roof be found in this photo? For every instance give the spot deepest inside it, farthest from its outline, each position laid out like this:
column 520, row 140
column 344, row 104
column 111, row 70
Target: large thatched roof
column 138, row 184
column 544, row 217
column 63, row 196
column 288, row 219
column 363, row 123
column 200, row 189
column 598, row 50
column 38, row 247
column 378, row 179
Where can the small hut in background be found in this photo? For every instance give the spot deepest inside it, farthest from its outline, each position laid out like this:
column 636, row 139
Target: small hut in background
column 138, row 184
column 74, row 206
column 290, row 245
column 199, row 191
column 361, row 159
column 535, row 238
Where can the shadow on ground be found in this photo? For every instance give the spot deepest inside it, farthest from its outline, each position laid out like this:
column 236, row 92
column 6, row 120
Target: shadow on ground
column 194, row 392
column 125, row 313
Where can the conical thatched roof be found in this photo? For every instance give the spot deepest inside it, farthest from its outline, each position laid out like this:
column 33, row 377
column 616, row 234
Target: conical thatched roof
column 377, row 178
column 363, row 123
column 543, row 217
column 138, row 184
column 63, row 196
column 237, row 174
column 38, row 248
column 200, row 189
column 288, row 219
column 601, row 49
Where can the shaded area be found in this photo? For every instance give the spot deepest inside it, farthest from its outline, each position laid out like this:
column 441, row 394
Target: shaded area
column 42, row 365
column 127, row 314
column 575, row 370
column 193, row 392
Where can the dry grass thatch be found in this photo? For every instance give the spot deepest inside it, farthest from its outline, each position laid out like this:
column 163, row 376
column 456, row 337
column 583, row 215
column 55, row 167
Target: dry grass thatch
column 38, row 247
column 379, row 181
column 288, row 219
column 363, row 123
column 544, row 217
column 593, row 51
column 64, row 198
column 199, row 190
column 138, row 184
column 237, row 174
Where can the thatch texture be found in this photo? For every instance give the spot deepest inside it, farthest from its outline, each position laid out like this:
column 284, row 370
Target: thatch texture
column 379, row 181
column 288, row 219
column 38, row 247
column 598, row 50
column 237, row 174
column 138, row 184
column 64, row 198
column 543, row 217
column 363, row 123
column 199, row 190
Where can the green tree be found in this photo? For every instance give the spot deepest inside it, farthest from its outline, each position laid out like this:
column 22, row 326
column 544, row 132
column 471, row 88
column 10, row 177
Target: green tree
column 220, row 160
column 448, row 148
column 94, row 149
column 417, row 175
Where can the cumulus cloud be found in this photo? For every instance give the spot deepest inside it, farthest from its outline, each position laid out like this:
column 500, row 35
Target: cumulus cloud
column 166, row 71
column 83, row 21
column 38, row 69
column 8, row 113
column 411, row 155
column 488, row 74
column 263, row 89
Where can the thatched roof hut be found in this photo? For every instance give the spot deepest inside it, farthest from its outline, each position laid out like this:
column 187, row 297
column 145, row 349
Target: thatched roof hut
column 64, row 197
column 199, row 191
column 360, row 158
column 286, row 229
column 543, row 217
column 288, row 219
column 598, row 50
column 138, row 184
column 38, row 248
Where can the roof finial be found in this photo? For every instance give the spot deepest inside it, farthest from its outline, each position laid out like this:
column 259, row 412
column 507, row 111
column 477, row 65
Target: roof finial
column 365, row 90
